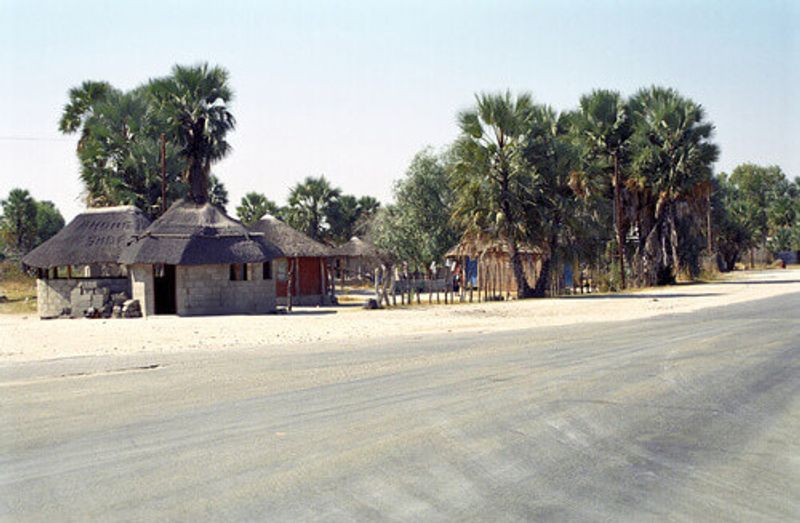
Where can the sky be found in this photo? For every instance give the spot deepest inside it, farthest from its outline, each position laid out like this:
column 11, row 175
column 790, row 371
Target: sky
column 353, row 90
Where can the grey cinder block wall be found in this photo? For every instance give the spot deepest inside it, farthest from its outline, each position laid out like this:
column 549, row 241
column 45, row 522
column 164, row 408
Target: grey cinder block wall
column 208, row 289
column 76, row 294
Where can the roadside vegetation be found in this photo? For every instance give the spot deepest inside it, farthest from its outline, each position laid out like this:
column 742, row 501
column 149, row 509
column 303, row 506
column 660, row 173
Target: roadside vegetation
column 17, row 290
column 619, row 186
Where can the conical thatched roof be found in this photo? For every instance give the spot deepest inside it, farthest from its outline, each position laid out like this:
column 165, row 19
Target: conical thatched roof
column 96, row 236
column 195, row 234
column 475, row 245
column 292, row 242
column 358, row 248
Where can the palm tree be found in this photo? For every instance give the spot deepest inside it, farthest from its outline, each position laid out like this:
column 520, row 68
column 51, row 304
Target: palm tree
column 490, row 179
column 81, row 105
column 672, row 164
column 309, row 203
column 217, row 192
column 255, row 206
column 194, row 101
column 602, row 127
column 18, row 221
column 553, row 160
column 120, row 155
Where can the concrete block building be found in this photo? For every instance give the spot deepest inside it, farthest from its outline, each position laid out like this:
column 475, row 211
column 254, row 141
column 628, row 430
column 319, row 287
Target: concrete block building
column 79, row 267
column 196, row 260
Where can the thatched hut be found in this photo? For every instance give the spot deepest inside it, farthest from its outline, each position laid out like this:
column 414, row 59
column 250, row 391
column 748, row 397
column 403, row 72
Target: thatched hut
column 304, row 271
column 80, row 267
column 483, row 264
column 195, row 259
column 358, row 259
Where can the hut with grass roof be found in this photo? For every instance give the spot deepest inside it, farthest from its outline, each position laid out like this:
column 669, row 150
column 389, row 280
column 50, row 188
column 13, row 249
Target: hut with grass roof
column 79, row 268
column 303, row 275
column 196, row 260
column 357, row 259
column 482, row 263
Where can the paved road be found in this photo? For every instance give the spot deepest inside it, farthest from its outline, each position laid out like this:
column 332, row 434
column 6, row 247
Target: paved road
column 685, row 417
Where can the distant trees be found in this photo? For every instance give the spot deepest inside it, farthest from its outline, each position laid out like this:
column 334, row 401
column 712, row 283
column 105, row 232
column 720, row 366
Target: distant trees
column 26, row 223
column 119, row 149
column 417, row 226
column 255, row 206
column 348, row 216
column 309, row 205
column 761, row 206
column 324, row 212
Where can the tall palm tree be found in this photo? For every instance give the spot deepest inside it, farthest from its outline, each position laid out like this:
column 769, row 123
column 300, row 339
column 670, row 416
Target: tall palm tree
column 194, row 101
column 490, row 179
column 120, row 155
column 81, row 106
column 602, row 126
column 553, row 160
column 672, row 163
column 309, row 202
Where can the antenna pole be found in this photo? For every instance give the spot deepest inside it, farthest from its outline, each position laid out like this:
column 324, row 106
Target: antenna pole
column 163, row 173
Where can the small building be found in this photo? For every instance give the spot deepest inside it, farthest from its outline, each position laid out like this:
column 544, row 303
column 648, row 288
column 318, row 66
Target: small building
column 305, row 260
column 79, row 268
column 197, row 260
column 484, row 264
column 357, row 259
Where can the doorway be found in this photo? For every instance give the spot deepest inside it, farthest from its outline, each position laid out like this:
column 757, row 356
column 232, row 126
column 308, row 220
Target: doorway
column 164, row 286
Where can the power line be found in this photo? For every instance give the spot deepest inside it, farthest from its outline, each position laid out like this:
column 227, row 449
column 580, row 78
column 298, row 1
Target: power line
column 32, row 139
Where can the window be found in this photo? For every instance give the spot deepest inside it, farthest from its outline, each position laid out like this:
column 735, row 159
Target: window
column 282, row 269
column 238, row 272
column 267, row 275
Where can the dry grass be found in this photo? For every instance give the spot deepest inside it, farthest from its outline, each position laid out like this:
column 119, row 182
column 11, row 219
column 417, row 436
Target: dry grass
column 18, row 290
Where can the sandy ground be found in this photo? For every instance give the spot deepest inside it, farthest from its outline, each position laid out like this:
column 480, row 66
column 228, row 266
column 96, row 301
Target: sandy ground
column 30, row 339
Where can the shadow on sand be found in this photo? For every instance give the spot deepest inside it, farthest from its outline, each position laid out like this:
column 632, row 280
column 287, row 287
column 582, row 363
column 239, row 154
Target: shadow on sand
column 638, row 296
column 756, row 282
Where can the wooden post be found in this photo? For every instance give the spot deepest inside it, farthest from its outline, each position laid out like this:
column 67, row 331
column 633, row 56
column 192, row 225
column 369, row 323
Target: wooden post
column 378, row 280
column 297, row 276
column 332, row 279
column 388, row 283
column 289, row 283
column 321, row 282
column 163, row 173
column 395, row 278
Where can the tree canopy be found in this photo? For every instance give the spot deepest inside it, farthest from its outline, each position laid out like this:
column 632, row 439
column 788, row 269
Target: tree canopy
column 26, row 223
column 121, row 134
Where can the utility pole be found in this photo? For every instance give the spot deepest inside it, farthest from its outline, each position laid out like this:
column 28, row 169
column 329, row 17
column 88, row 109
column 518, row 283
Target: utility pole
column 163, row 173
column 618, row 220
column 708, row 222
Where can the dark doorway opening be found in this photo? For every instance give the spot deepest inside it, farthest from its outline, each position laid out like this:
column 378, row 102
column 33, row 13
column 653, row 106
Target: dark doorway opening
column 164, row 283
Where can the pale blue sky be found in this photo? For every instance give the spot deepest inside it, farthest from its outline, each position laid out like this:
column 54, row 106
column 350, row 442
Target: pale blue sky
column 354, row 89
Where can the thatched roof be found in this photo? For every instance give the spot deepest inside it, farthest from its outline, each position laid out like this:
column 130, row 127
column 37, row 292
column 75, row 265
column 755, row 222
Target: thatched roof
column 292, row 242
column 474, row 246
column 358, row 248
column 195, row 234
column 97, row 235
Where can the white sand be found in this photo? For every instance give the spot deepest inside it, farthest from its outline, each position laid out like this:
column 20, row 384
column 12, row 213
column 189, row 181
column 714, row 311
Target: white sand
column 30, row 339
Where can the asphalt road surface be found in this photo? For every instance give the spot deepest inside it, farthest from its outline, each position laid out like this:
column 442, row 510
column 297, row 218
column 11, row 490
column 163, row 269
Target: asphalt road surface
column 682, row 417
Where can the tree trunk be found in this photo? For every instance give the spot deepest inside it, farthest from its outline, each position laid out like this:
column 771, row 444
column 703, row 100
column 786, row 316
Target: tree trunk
column 543, row 279
column 673, row 240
